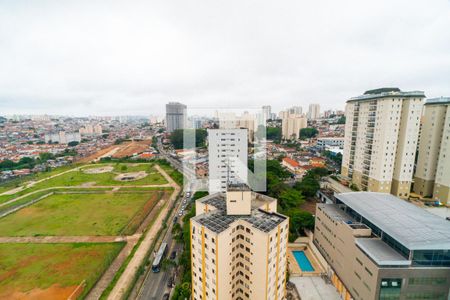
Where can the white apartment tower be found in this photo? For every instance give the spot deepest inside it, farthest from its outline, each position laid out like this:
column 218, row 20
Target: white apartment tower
column 175, row 116
column 228, row 155
column 238, row 247
column 314, row 111
column 432, row 177
column 267, row 112
column 381, row 134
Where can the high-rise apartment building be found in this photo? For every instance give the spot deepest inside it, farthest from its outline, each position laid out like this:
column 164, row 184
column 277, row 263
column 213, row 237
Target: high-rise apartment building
column 238, row 247
column 295, row 110
column 227, row 150
column 62, row 137
column 175, row 116
column 267, row 112
column 291, row 125
column 314, row 111
column 381, row 247
column 381, row 133
column 432, row 177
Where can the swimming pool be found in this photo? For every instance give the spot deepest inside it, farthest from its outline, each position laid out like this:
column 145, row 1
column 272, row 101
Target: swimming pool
column 303, row 261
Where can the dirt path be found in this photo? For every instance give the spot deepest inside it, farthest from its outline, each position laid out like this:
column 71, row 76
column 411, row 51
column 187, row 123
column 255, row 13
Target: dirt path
column 127, row 276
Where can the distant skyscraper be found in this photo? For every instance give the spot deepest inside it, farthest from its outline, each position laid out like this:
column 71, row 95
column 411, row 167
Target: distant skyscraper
column 432, row 178
column 381, row 133
column 238, row 246
column 267, row 112
column 291, row 125
column 314, row 111
column 175, row 116
column 227, row 150
column 296, row 110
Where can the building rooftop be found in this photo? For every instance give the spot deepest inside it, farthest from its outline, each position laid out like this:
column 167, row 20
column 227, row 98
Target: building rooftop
column 217, row 220
column 381, row 253
column 413, row 227
column 387, row 92
column 440, row 100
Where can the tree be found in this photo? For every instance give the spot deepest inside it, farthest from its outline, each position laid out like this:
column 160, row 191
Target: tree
column 341, row 120
column 308, row 132
column 317, row 173
column 7, row 164
column 177, row 137
column 274, row 133
column 45, row 156
column 308, row 186
column 290, row 198
column 72, row 143
column 299, row 220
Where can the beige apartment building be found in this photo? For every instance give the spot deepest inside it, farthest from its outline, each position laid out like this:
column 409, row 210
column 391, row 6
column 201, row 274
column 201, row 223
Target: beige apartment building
column 314, row 111
column 432, row 177
column 238, row 247
column 381, row 133
column 381, row 247
column 291, row 125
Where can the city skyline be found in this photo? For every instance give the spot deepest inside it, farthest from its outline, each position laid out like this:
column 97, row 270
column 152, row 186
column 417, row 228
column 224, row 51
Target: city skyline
column 78, row 59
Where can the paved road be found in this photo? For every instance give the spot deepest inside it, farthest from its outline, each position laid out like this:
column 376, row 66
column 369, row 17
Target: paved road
column 125, row 279
column 155, row 284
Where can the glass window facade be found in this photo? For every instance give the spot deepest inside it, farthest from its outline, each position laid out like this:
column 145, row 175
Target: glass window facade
column 427, row 281
column 425, row 296
column 431, row 258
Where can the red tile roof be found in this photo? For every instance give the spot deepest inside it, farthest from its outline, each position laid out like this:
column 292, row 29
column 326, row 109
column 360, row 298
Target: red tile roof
column 291, row 162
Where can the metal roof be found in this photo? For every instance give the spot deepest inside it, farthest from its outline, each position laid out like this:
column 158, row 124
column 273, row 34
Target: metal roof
column 381, row 253
column 412, row 226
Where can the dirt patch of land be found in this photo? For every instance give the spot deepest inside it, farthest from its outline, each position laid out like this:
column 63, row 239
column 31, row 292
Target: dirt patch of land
column 119, row 151
column 130, row 176
column 309, row 206
column 130, row 148
column 98, row 170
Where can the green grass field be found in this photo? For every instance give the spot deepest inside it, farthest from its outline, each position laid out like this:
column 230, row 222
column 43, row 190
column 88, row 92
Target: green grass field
column 78, row 177
column 81, row 214
column 54, row 268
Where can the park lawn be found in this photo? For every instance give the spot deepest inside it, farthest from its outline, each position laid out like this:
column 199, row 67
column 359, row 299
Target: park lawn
column 80, row 214
column 53, row 268
column 78, row 177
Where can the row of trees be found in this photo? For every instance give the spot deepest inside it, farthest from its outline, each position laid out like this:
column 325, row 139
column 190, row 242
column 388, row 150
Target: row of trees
column 275, row 134
column 182, row 234
column 290, row 199
column 31, row 162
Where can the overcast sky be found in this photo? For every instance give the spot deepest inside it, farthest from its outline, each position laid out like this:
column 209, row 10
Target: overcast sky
column 131, row 57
